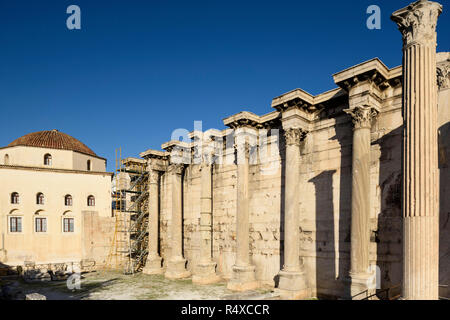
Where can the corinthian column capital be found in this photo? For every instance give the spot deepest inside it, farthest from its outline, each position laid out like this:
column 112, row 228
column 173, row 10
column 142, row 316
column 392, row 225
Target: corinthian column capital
column 362, row 116
column 443, row 76
column 294, row 136
column 153, row 176
column 242, row 148
column 176, row 168
column 417, row 22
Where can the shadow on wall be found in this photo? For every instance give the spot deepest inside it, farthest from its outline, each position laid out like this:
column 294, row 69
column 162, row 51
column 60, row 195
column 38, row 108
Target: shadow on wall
column 444, row 223
column 389, row 228
column 332, row 240
column 326, row 268
column 282, row 152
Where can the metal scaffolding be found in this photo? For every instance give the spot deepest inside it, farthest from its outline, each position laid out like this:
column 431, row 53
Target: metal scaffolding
column 130, row 209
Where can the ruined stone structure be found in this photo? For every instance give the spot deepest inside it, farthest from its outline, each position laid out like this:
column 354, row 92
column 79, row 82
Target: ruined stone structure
column 308, row 198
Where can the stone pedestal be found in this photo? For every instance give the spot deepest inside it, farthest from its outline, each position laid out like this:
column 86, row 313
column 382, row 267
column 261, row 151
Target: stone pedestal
column 243, row 278
column 362, row 117
column 176, row 268
column 360, row 285
column 243, row 272
column 176, row 265
column 417, row 23
column 153, row 263
column 292, row 278
column 205, row 270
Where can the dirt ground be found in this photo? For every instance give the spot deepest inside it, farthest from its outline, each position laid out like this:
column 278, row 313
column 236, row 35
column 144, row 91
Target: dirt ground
column 117, row 286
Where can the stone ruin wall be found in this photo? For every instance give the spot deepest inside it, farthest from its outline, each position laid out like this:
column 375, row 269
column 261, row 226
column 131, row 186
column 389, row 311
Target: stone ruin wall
column 325, row 204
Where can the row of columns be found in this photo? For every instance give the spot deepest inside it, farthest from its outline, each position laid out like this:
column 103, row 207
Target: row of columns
column 417, row 23
column 292, row 279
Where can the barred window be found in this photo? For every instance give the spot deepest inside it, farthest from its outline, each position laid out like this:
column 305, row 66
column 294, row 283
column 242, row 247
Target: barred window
column 48, row 160
column 14, row 198
column 68, row 200
column 91, row 201
column 15, row 224
column 41, row 224
column 40, row 198
column 69, row 224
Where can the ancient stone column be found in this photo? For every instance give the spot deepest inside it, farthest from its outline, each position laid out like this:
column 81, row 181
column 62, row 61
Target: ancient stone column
column 153, row 264
column 243, row 272
column 205, row 270
column 417, row 23
column 176, row 266
column 292, row 284
column 360, row 221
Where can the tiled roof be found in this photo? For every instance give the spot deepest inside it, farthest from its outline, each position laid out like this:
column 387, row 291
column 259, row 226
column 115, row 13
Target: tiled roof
column 52, row 139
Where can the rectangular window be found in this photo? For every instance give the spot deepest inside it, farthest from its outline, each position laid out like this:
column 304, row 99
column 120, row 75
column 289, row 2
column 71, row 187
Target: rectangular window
column 69, row 224
column 15, row 224
column 41, row 224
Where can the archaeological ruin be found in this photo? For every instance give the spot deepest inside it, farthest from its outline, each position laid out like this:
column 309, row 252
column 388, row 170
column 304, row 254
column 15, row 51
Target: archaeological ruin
column 308, row 198
column 338, row 195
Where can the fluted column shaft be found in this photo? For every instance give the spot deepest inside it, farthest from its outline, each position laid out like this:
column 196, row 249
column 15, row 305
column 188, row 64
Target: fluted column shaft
column 153, row 264
column 242, row 218
column 360, row 234
column 153, row 214
column 244, row 277
column 362, row 117
column 205, row 271
column 292, row 278
column 292, row 202
column 420, row 163
column 177, row 218
column 176, row 266
column 206, row 214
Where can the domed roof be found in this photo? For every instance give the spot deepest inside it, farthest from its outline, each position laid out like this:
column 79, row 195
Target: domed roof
column 52, row 139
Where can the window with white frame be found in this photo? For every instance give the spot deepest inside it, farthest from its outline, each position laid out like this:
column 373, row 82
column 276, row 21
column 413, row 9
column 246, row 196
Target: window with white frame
column 68, row 224
column 40, row 224
column 15, row 224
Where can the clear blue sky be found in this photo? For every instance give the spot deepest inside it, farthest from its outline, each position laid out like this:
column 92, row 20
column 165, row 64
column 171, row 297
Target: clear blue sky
column 138, row 69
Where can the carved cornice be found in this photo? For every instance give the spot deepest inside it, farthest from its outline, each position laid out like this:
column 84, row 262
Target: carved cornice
column 443, row 76
column 175, row 168
column 294, row 136
column 362, row 116
column 244, row 123
column 417, row 22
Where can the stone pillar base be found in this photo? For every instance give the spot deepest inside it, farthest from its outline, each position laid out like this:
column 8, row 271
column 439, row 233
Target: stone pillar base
column 292, row 285
column 359, row 286
column 153, row 265
column 176, row 269
column 243, row 279
column 205, row 273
